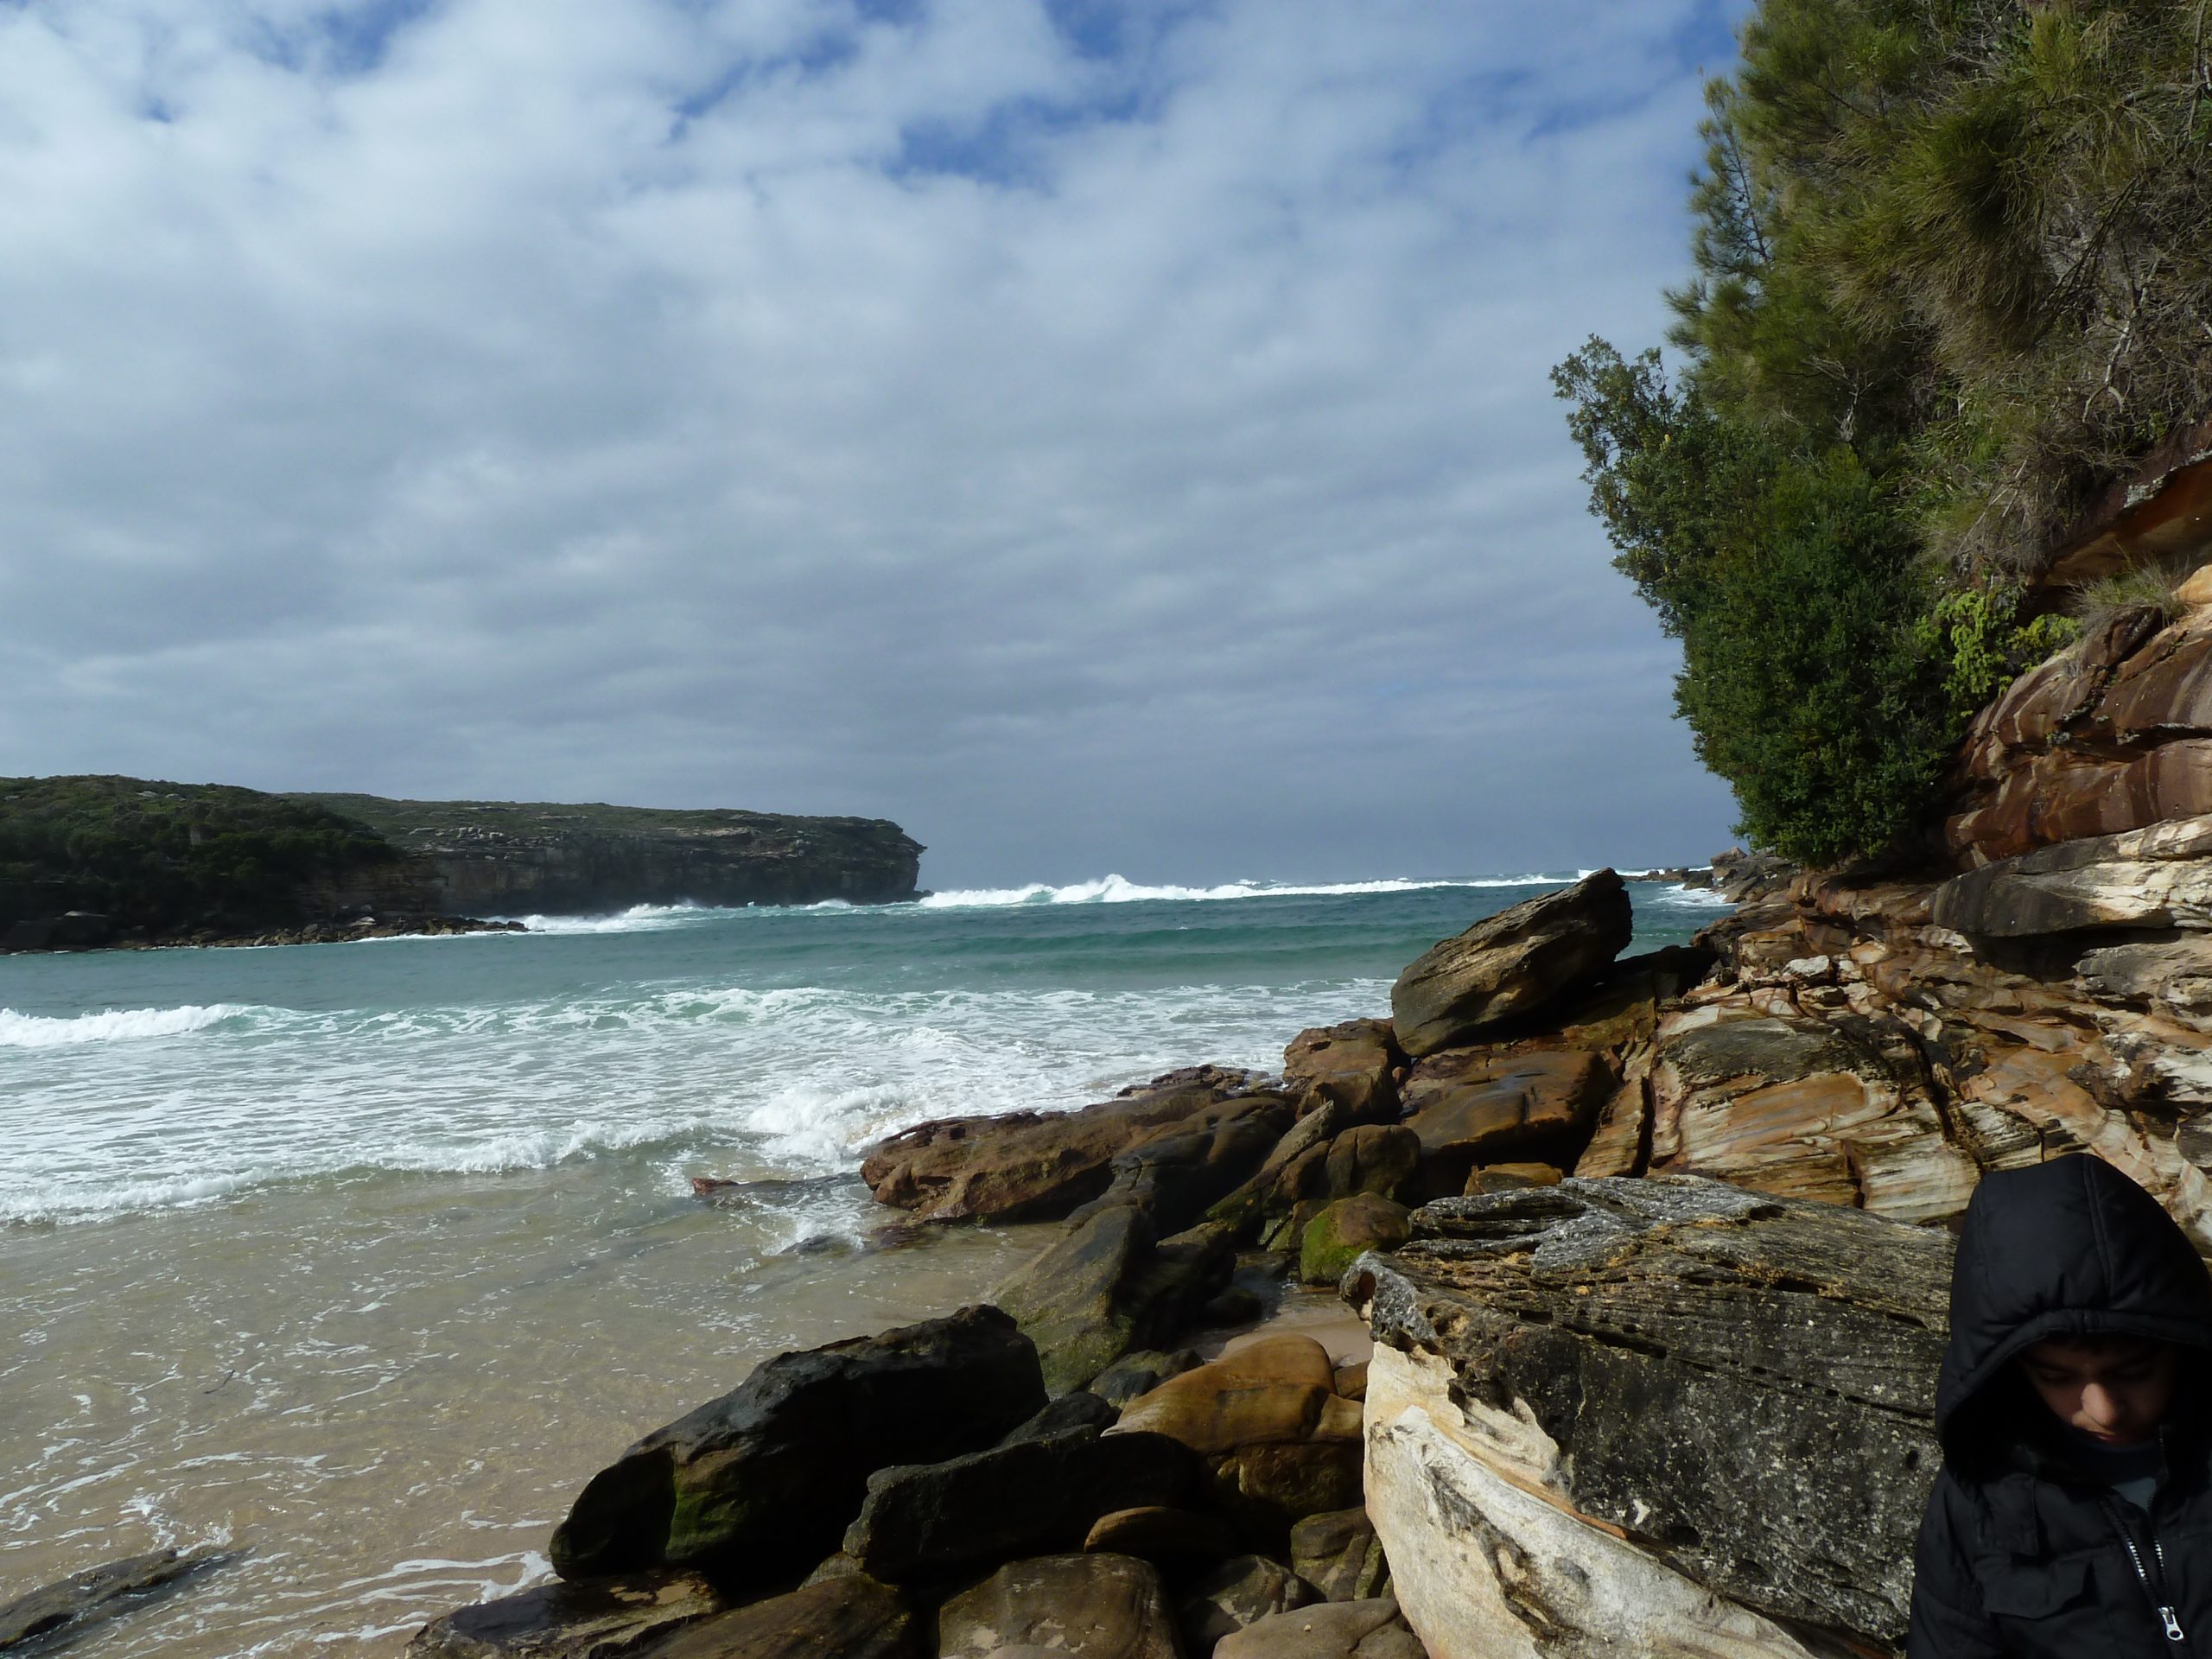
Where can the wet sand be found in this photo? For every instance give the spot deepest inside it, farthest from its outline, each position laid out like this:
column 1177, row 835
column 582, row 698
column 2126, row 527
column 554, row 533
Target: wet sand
column 387, row 1388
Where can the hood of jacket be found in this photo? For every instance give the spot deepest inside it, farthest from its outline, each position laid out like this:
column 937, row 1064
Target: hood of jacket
column 2070, row 1248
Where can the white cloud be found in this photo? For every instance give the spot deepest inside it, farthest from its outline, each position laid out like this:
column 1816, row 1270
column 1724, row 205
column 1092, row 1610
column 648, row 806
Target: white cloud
column 1139, row 458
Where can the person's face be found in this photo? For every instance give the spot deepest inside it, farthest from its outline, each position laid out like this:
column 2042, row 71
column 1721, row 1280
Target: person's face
column 2116, row 1392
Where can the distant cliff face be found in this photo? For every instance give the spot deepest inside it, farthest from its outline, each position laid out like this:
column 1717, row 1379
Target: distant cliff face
column 512, row 858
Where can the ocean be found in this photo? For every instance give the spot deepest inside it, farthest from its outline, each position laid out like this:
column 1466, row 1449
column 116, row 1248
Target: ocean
column 361, row 1258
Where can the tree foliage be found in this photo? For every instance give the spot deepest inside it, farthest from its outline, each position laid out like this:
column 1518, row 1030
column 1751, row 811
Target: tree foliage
column 1952, row 275
column 170, row 857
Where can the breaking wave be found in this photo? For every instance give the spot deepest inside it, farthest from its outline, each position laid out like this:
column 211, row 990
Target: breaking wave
column 1120, row 890
column 112, row 1025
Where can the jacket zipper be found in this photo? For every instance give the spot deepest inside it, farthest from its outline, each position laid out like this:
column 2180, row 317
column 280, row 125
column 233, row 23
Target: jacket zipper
column 2168, row 1619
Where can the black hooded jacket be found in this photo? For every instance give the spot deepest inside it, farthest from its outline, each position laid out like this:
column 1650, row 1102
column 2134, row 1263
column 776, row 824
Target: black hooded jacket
column 2020, row 1552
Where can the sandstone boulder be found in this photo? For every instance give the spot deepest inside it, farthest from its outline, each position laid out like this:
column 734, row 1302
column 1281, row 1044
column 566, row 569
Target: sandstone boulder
column 1510, row 963
column 1033, row 1166
column 1471, row 1106
column 1346, row 1231
column 1240, row 1591
column 1279, row 1442
column 1086, row 1606
column 1106, row 1287
column 1378, row 1158
column 1173, row 1540
column 852, row 1617
column 1663, row 1414
column 759, row 1485
column 1352, row 1065
column 1338, row 1552
column 1177, row 1173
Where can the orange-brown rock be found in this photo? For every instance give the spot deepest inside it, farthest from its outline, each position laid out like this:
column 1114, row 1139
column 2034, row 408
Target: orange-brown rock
column 1474, row 1106
column 1352, row 1065
column 1036, row 1165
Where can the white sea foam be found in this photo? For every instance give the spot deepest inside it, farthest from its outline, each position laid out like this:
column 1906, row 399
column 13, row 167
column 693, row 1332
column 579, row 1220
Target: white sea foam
column 799, row 1080
column 638, row 919
column 1120, row 890
column 111, row 1024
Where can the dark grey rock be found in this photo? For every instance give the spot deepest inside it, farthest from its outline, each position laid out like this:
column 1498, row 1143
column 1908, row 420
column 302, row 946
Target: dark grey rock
column 1105, row 1287
column 61, row 1612
column 1027, row 1497
column 759, row 1486
column 850, row 1616
column 1744, row 1383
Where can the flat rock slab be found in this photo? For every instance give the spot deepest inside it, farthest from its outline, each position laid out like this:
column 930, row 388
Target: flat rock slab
column 1730, row 1391
column 59, row 1612
column 561, row 1620
column 848, row 1618
column 1098, row 1607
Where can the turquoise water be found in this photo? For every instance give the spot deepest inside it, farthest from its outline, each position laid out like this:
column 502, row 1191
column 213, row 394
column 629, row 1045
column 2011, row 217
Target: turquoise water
column 774, row 1042
column 364, row 1257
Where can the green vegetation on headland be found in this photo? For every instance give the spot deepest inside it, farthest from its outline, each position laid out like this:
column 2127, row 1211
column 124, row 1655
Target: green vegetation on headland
column 161, row 860
column 91, row 861
column 1953, row 279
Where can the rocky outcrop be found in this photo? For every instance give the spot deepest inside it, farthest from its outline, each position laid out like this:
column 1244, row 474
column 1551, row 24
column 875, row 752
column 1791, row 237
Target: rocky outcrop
column 1201, row 1131
column 1511, row 965
column 510, row 858
column 1852, row 1048
column 2112, row 734
column 1660, row 1415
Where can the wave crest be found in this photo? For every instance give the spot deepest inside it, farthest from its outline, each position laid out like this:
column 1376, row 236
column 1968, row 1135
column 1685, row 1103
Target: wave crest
column 1120, row 890
column 111, row 1024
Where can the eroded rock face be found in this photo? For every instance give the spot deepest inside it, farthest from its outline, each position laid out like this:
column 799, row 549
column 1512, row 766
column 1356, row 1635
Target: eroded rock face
column 1594, row 1405
column 1509, row 964
column 760, row 1484
column 1851, row 1047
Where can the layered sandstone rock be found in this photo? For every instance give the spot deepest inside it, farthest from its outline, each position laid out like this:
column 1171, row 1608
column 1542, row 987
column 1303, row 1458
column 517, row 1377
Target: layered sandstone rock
column 1508, row 965
column 1661, row 1415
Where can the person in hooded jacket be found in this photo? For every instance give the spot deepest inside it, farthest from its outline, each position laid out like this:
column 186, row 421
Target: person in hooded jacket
column 2073, row 1514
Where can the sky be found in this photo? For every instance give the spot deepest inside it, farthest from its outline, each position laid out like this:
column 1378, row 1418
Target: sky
column 1099, row 436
